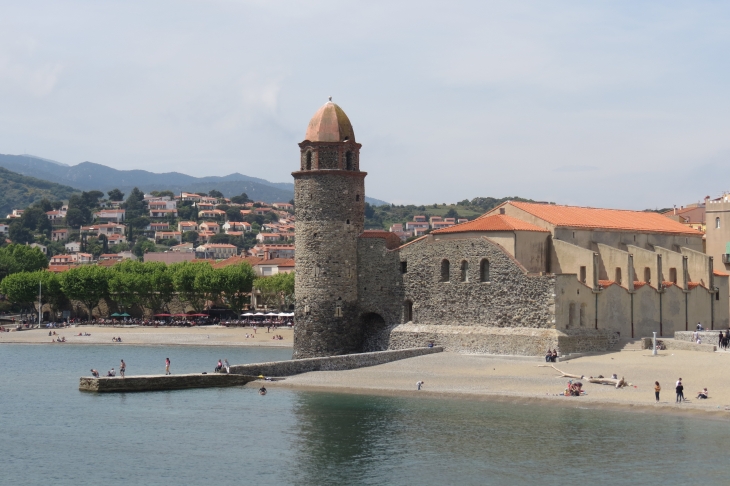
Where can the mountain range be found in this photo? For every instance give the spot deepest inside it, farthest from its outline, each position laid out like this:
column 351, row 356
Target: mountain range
column 89, row 176
column 18, row 191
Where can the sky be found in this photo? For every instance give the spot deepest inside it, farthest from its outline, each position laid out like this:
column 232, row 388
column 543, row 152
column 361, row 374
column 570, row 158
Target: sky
column 618, row 104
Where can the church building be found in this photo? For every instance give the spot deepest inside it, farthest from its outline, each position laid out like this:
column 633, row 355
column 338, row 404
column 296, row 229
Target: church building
column 520, row 279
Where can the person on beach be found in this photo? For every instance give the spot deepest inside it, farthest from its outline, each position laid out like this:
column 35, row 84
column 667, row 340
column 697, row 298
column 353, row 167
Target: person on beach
column 94, row 373
column 680, row 391
column 219, row 366
column 657, row 389
column 703, row 394
column 548, row 356
column 227, row 366
column 122, row 368
column 419, row 384
column 167, row 366
column 111, row 372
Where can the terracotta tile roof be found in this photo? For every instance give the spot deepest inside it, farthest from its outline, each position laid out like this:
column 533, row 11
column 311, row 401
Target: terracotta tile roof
column 717, row 273
column 605, row 283
column 391, row 239
column 279, row 262
column 235, row 260
column 667, row 283
column 610, row 219
column 693, row 285
column 638, row 284
column 496, row 222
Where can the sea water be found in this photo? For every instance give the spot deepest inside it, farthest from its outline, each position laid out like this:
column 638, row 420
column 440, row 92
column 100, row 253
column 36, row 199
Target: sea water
column 53, row 434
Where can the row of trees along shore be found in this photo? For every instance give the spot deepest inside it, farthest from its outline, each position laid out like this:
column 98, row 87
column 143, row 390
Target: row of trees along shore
column 151, row 286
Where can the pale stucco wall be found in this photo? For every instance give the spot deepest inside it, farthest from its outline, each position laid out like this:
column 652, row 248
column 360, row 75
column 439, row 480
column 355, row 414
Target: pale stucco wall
column 531, row 249
column 671, row 260
column 644, row 259
column 722, row 307
column 698, row 266
column 569, row 291
column 614, row 310
column 566, row 258
column 700, row 307
column 646, row 311
column 609, row 260
column 673, row 310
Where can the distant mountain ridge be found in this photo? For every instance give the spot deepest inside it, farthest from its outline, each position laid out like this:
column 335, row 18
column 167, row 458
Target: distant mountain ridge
column 91, row 176
column 18, row 191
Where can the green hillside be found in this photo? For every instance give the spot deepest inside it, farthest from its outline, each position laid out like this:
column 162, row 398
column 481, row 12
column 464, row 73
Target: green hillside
column 18, row 191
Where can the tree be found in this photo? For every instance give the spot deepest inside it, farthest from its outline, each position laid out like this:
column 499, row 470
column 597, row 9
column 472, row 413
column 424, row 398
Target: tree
column 215, row 193
column 127, row 282
column 187, row 284
column 220, row 238
column 34, row 218
column 52, row 292
column 120, row 247
column 95, row 245
column 91, row 198
column 236, row 283
column 169, row 194
column 21, row 258
column 190, row 237
column 234, row 214
column 158, row 286
column 242, row 199
column 44, row 204
column 451, row 213
column 87, row 284
column 20, row 234
column 134, row 205
column 143, row 245
column 115, row 195
column 276, row 290
column 75, row 217
column 21, row 288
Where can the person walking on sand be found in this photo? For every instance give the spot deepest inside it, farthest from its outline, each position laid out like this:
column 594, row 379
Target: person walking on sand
column 419, row 384
column 657, row 389
column 680, row 391
column 122, row 368
column 167, row 366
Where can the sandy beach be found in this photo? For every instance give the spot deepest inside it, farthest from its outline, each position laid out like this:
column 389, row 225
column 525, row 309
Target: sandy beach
column 520, row 379
column 511, row 378
column 184, row 336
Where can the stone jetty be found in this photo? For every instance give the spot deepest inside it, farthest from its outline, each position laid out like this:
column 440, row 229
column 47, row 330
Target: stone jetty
column 162, row 382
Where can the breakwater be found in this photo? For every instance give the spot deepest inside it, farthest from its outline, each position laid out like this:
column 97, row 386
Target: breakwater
column 161, row 382
column 331, row 363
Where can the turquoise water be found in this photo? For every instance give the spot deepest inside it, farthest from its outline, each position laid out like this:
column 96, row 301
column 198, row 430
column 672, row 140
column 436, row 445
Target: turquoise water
column 50, row 433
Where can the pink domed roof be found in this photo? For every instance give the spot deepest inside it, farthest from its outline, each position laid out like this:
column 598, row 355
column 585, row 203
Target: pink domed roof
column 330, row 124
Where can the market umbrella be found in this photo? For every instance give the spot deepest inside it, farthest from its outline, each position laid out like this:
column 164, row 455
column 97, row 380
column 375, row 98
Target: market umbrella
column 116, row 315
column 247, row 314
column 259, row 314
column 272, row 314
column 124, row 315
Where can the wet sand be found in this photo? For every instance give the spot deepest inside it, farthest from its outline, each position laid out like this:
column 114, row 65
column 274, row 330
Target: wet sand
column 521, row 380
column 183, row 336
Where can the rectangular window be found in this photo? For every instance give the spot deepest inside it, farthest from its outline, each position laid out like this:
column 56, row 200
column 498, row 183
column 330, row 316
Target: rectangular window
column 403, row 267
column 583, row 274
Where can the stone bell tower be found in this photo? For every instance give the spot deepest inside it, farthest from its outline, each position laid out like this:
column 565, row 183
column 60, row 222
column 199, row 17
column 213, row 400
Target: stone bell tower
column 329, row 200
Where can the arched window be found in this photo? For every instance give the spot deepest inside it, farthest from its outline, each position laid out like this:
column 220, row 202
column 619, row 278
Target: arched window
column 717, row 223
column 407, row 311
column 582, row 316
column 445, row 270
column 464, row 271
column 617, row 278
column 484, row 270
column 348, row 221
column 309, row 161
column 571, row 316
column 348, row 161
column 647, row 274
column 673, row 275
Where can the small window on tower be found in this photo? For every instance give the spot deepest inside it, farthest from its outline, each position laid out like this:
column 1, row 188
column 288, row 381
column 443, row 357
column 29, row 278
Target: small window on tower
column 357, row 197
column 348, row 221
column 348, row 161
column 403, row 267
column 309, row 161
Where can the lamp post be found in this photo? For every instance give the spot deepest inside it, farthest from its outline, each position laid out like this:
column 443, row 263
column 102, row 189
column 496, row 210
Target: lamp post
column 653, row 350
column 40, row 303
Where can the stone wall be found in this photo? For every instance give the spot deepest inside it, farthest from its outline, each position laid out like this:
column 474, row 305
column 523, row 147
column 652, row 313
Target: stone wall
column 506, row 341
column 330, row 363
column 162, row 382
column 509, row 298
column 674, row 344
column 708, row 337
column 330, row 217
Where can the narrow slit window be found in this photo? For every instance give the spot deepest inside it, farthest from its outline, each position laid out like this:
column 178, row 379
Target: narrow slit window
column 445, row 270
column 484, row 270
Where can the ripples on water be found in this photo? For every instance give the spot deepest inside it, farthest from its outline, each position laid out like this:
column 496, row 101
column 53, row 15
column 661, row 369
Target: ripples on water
column 50, row 433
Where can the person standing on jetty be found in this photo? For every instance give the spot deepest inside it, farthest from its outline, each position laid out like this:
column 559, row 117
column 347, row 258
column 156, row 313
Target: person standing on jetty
column 227, row 366
column 122, row 368
column 419, row 384
column 680, row 391
column 167, row 366
column 657, row 389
